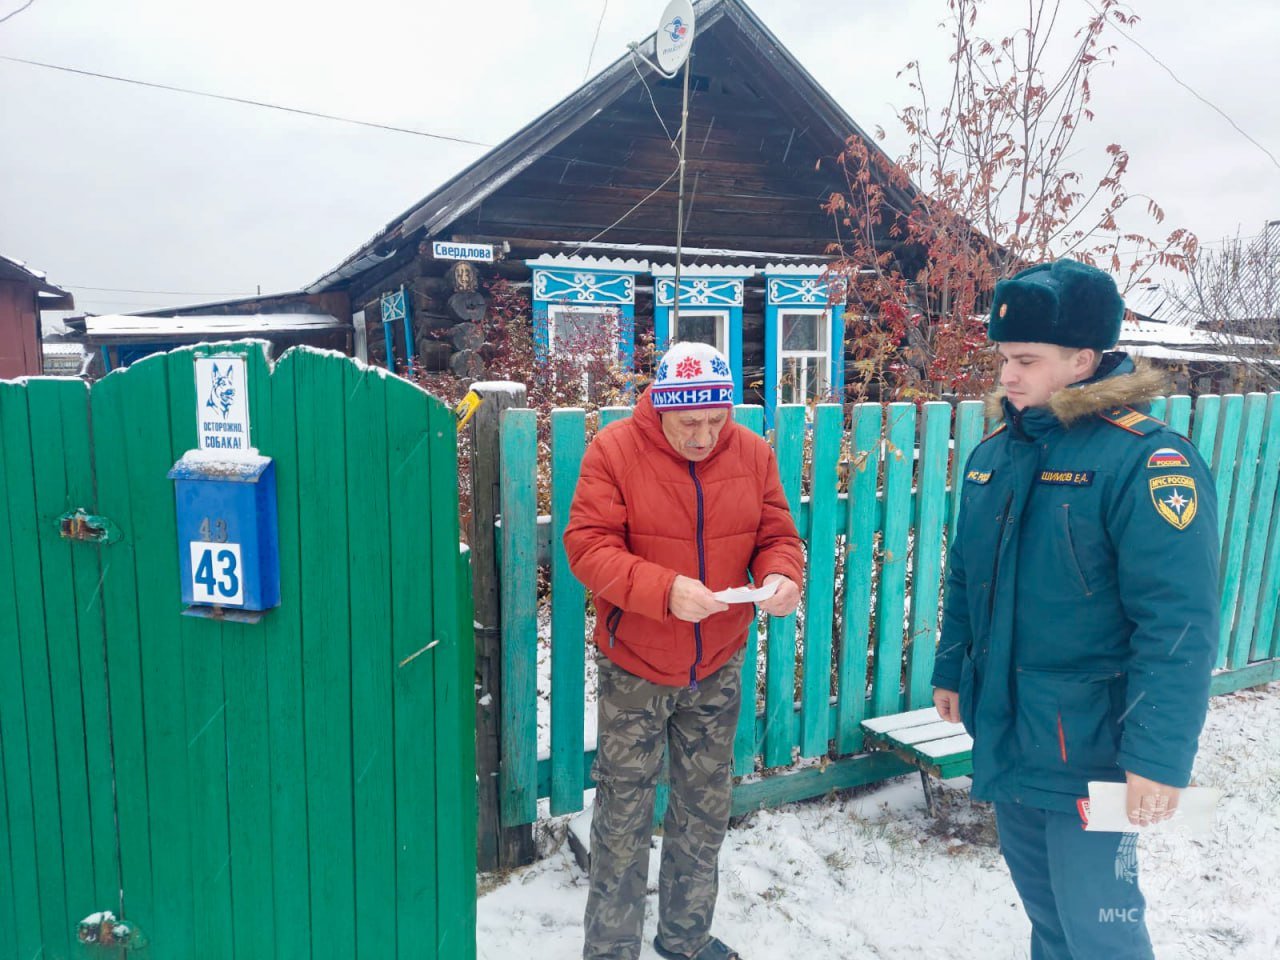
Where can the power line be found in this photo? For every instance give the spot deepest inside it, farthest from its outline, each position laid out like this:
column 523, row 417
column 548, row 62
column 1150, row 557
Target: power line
column 592, row 55
column 1176, row 79
column 671, row 176
column 652, row 102
column 10, row 16
column 364, row 123
column 310, row 113
column 247, row 101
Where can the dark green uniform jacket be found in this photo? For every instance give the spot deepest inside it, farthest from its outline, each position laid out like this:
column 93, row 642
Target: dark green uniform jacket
column 1081, row 617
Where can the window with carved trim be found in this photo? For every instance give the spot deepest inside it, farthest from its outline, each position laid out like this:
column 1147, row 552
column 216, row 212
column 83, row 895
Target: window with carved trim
column 702, row 326
column 804, row 352
column 582, row 337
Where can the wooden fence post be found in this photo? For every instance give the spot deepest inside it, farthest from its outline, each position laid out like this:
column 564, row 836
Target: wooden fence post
column 497, row 846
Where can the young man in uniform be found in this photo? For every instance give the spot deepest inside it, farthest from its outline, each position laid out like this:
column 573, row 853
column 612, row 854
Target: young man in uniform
column 1081, row 617
column 674, row 503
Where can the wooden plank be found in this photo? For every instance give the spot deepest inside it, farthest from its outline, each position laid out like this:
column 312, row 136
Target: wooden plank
column 1225, row 451
column 248, row 736
column 610, row 415
column 519, row 618
column 453, row 700
column 1243, row 517
column 901, row 721
column 1178, row 413
column 131, row 423
column 282, row 639
column 780, row 664
column 926, row 561
column 326, row 648
column 956, row 747
column 413, row 629
column 1254, row 675
column 891, row 596
column 815, row 782
column 1253, row 595
column 87, row 579
column 859, row 561
column 8, row 895
column 568, row 618
column 1271, row 577
column 464, row 868
column 59, row 424
column 968, row 434
column 920, row 733
column 499, row 847
column 372, row 730
column 90, row 724
column 31, row 635
column 819, row 588
column 23, row 894
column 745, row 743
column 203, row 644
column 1158, row 409
column 1204, row 432
column 1267, row 631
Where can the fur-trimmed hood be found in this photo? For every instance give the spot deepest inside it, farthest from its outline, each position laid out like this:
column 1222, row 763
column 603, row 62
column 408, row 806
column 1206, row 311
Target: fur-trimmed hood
column 1124, row 388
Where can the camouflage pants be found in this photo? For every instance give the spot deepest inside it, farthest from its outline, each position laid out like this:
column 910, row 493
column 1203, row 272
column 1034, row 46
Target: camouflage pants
column 639, row 721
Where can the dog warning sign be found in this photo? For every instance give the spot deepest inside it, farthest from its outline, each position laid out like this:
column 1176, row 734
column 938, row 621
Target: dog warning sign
column 222, row 405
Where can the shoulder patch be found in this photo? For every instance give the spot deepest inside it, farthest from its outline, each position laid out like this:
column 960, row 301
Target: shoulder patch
column 1166, row 458
column 1174, row 497
column 1131, row 420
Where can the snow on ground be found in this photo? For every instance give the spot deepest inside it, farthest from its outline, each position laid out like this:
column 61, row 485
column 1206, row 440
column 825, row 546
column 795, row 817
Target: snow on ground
column 871, row 875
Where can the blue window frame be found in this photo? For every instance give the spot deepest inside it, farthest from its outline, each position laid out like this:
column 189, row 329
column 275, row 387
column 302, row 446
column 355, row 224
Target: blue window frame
column 803, row 336
column 577, row 291
column 710, row 310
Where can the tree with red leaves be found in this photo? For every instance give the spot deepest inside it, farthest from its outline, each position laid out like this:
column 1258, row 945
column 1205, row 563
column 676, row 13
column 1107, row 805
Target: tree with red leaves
column 992, row 186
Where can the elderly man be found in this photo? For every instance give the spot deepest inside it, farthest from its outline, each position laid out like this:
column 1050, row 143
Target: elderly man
column 1081, row 617
column 674, row 504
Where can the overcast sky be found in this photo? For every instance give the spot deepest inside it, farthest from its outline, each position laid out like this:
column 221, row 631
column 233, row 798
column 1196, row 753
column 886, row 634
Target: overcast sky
column 104, row 184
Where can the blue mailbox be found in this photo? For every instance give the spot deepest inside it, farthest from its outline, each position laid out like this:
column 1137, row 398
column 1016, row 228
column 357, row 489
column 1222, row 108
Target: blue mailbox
column 228, row 544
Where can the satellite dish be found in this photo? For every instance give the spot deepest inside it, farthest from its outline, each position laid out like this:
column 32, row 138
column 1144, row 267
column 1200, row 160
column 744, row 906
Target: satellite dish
column 675, row 36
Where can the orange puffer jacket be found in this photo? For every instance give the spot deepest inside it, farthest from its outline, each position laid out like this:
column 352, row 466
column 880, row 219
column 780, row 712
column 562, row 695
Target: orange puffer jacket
column 644, row 513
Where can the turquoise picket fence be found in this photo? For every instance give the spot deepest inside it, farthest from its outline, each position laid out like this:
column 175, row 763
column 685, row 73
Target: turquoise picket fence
column 875, row 507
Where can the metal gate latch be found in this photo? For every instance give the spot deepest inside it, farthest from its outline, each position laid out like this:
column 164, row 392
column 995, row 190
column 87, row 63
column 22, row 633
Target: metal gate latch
column 102, row 929
column 81, row 525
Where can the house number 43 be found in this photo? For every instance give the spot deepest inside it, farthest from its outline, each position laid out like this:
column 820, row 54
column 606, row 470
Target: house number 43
column 216, row 573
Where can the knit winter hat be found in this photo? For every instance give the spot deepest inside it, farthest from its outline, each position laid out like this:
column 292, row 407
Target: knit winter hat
column 692, row 376
column 1065, row 302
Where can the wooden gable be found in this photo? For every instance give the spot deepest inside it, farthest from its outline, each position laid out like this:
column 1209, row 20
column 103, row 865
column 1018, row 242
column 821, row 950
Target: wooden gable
column 759, row 165
column 762, row 145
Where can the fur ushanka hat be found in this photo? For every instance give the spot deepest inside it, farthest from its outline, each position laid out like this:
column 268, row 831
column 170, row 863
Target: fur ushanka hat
column 1065, row 302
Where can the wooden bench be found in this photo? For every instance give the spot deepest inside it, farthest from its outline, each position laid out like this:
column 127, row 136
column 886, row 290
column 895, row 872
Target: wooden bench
column 925, row 740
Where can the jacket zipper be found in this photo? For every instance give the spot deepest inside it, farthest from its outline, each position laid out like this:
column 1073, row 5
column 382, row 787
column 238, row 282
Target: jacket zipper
column 995, row 563
column 702, row 575
column 1071, row 549
column 615, row 617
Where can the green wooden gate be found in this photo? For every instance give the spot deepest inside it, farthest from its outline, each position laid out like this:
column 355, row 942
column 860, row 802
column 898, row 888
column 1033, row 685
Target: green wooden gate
column 300, row 787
